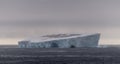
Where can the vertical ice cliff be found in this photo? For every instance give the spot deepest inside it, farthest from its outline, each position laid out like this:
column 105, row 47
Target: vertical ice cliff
column 62, row 41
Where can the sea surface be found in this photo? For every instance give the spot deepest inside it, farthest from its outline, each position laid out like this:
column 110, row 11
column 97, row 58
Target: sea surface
column 11, row 54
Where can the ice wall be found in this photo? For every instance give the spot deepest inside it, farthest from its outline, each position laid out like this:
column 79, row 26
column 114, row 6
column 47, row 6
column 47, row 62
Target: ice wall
column 69, row 42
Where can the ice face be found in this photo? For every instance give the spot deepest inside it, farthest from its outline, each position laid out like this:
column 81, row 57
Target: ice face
column 67, row 41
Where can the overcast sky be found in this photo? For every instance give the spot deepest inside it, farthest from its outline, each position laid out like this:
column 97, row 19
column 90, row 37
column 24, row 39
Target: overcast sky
column 20, row 19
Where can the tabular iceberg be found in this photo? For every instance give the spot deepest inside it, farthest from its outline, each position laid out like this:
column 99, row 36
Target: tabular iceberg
column 62, row 41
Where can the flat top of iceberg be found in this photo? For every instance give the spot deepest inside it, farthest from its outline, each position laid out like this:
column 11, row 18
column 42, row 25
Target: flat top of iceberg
column 60, row 35
column 55, row 37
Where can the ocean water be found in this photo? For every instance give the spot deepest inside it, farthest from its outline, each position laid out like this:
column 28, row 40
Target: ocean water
column 10, row 54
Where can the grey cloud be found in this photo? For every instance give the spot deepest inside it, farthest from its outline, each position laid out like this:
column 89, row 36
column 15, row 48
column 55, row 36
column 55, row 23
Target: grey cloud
column 20, row 18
